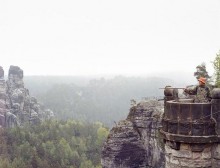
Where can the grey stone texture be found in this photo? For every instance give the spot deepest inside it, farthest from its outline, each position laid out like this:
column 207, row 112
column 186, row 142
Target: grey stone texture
column 185, row 157
column 1, row 72
column 134, row 142
column 17, row 107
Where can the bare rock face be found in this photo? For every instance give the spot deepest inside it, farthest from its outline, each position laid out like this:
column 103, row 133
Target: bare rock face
column 2, row 97
column 1, row 72
column 17, row 107
column 123, row 147
column 134, row 142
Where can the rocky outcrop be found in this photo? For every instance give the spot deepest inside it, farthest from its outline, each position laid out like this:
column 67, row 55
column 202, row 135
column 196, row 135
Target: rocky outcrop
column 17, row 107
column 134, row 142
column 2, row 98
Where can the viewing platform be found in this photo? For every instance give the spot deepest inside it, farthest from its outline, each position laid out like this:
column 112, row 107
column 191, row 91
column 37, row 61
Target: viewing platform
column 189, row 122
column 191, row 131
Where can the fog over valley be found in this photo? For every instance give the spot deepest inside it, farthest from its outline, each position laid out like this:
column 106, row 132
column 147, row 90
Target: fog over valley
column 84, row 84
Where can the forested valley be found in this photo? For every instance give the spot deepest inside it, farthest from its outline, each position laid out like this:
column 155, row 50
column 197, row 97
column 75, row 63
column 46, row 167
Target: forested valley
column 100, row 99
column 84, row 111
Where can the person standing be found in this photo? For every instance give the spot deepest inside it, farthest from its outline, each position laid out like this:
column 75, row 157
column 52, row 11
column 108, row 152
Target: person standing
column 201, row 92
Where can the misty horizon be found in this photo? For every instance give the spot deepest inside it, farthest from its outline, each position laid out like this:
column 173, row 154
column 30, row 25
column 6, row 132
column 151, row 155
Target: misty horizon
column 176, row 77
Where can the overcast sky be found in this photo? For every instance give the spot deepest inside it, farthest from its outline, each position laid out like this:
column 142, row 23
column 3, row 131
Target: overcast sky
column 90, row 37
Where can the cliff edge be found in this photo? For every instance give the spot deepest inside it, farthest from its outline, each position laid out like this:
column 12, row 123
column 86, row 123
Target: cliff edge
column 134, row 142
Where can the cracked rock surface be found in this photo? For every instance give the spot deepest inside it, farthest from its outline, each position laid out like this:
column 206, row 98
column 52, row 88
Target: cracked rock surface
column 17, row 107
column 134, row 142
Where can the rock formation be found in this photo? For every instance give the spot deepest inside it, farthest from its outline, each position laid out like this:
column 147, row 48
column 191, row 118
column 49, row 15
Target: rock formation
column 134, row 142
column 190, row 133
column 17, row 107
column 2, row 98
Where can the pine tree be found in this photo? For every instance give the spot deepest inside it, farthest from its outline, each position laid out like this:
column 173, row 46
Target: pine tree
column 201, row 71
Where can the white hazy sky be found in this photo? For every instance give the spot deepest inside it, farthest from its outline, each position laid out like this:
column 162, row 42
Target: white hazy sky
column 90, row 37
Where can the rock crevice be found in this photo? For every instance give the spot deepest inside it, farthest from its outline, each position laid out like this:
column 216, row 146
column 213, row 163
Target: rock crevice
column 134, row 142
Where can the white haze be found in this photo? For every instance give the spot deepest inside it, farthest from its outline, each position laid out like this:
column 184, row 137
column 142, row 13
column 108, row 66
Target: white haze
column 161, row 38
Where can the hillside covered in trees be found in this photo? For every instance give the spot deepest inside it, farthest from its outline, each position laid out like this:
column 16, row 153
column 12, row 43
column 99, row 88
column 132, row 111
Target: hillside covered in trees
column 57, row 144
column 86, row 99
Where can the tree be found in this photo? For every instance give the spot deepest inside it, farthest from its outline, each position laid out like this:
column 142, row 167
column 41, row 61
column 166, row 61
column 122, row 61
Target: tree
column 53, row 144
column 216, row 65
column 201, row 72
column 102, row 134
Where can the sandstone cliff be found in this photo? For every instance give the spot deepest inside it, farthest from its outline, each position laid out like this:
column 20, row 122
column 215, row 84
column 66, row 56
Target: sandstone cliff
column 17, row 107
column 134, row 142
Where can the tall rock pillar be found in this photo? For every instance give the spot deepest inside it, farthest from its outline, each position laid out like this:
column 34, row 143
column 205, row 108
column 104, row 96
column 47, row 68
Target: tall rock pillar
column 2, row 98
column 134, row 142
column 17, row 107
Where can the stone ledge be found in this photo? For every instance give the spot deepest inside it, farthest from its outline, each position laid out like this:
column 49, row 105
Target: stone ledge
column 189, row 139
column 196, row 163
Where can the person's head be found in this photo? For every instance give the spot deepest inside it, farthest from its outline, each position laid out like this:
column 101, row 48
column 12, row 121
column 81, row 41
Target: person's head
column 202, row 81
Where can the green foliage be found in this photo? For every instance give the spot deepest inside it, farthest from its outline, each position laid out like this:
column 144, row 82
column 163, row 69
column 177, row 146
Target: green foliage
column 216, row 65
column 201, row 72
column 57, row 144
